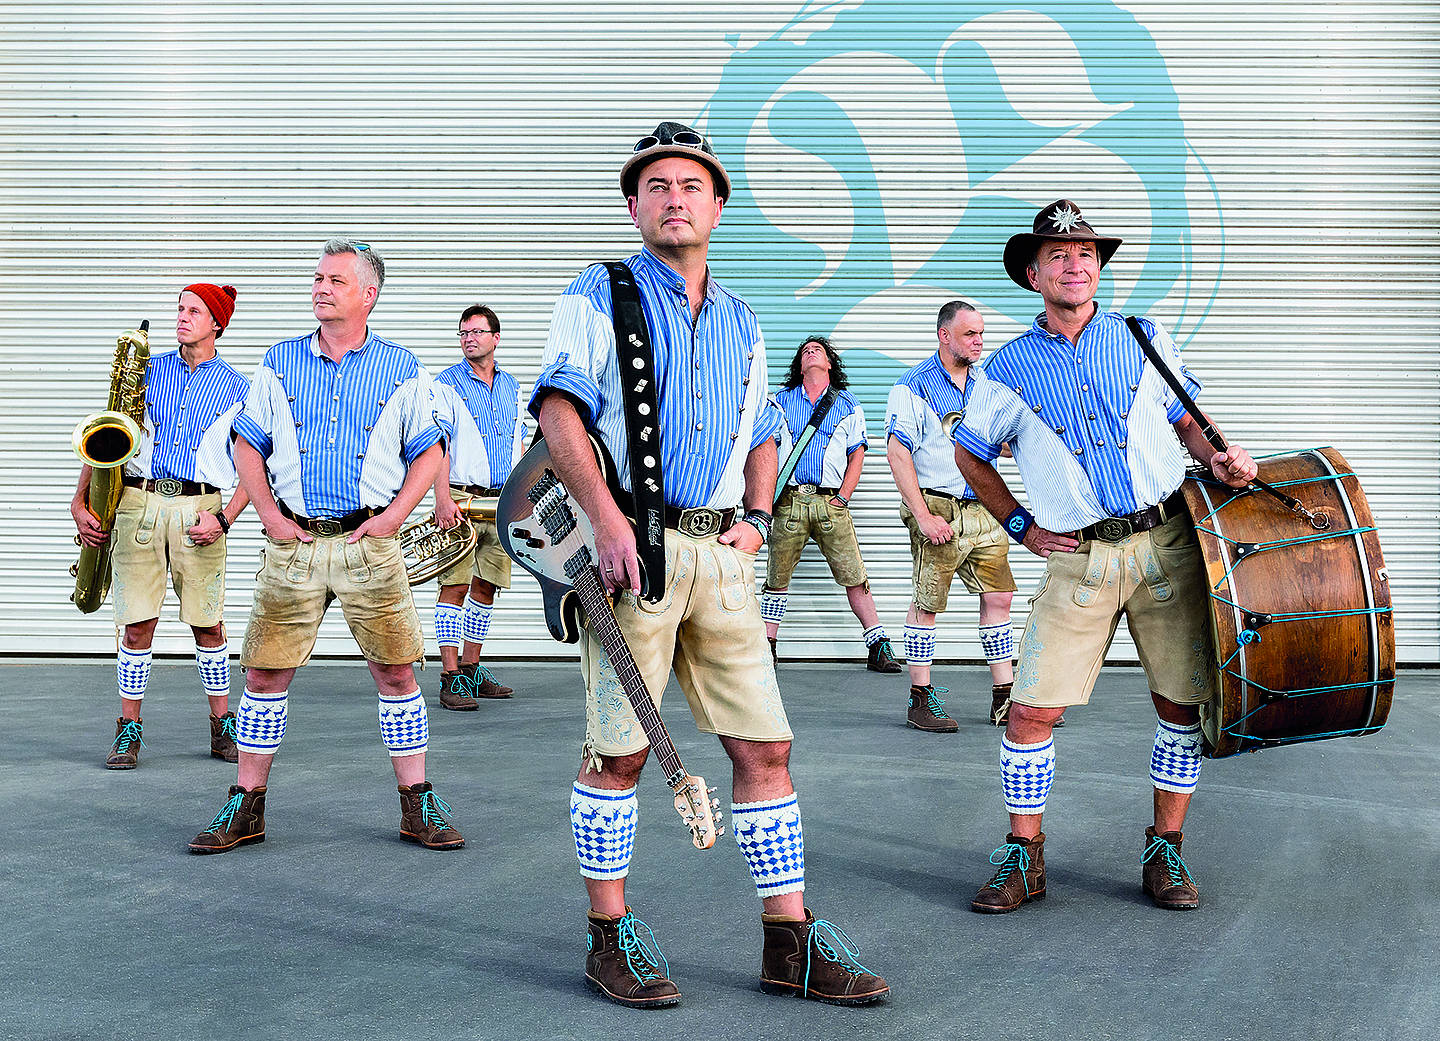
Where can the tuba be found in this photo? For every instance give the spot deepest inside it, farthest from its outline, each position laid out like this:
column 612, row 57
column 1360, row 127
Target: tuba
column 106, row 441
column 429, row 550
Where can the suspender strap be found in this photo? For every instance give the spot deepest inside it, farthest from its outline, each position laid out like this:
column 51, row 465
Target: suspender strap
column 642, row 427
column 811, row 428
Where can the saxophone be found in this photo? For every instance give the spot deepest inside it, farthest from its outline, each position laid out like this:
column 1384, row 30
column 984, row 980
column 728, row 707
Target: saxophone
column 429, row 549
column 107, row 441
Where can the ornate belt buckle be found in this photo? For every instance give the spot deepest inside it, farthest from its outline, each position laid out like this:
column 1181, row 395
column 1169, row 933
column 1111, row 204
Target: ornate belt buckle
column 326, row 526
column 699, row 524
column 808, row 489
column 169, row 487
column 1113, row 529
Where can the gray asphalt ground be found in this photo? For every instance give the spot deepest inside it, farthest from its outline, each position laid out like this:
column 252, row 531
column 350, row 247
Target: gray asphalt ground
column 1317, row 866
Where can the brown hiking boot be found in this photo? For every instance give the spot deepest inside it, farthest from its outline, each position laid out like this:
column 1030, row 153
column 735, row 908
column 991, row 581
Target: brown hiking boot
column 484, row 682
column 1021, row 877
column 1000, row 704
column 623, row 962
column 240, row 820
column 881, row 658
column 925, row 712
column 424, row 818
column 814, row 959
column 456, row 692
column 125, row 749
column 222, row 738
column 1167, row 880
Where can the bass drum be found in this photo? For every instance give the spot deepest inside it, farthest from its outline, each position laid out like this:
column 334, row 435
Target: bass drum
column 1304, row 634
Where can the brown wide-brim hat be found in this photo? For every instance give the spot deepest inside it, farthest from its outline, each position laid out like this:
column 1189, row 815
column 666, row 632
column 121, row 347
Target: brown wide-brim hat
column 1060, row 221
column 673, row 139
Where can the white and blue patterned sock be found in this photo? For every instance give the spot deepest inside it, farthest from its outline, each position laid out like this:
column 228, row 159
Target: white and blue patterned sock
column 449, row 624
column 1026, row 771
column 1175, row 760
column 213, row 664
column 260, row 722
column 770, row 836
column 874, row 635
column 477, row 620
column 603, row 821
column 132, row 672
column 919, row 644
column 404, row 724
column 998, row 642
column 772, row 604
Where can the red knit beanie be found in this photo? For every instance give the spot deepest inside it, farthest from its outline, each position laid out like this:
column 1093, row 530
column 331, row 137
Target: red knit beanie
column 219, row 299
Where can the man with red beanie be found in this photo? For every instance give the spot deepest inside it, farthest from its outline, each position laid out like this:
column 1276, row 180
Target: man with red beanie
column 170, row 518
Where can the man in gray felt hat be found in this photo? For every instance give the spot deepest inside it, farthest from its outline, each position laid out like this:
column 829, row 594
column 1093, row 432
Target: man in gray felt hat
column 1093, row 429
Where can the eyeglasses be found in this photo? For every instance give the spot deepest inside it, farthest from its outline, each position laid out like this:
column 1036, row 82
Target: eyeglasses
column 475, row 333
column 685, row 137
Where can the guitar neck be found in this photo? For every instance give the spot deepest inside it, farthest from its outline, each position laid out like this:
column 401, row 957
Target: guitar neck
column 603, row 624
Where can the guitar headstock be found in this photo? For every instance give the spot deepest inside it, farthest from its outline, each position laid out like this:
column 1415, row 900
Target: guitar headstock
column 700, row 810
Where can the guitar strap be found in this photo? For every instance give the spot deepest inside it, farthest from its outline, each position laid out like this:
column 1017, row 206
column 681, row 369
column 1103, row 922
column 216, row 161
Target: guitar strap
column 642, row 427
column 822, row 407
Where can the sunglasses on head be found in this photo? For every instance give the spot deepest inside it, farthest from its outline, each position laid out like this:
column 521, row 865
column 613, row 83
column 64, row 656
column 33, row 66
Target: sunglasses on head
column 685, row 137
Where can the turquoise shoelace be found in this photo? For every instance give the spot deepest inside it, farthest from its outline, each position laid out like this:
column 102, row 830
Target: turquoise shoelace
column 129, row 734
column 227, row 813
column 652, row 964
column 227, row 727
column 1012, row 855
column 936, row 703
column 834, row 946
column 434, row 810
column 1179, row 873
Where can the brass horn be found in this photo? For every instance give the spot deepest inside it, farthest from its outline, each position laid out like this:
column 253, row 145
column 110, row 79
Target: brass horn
column 430, row 550
column 106, row 441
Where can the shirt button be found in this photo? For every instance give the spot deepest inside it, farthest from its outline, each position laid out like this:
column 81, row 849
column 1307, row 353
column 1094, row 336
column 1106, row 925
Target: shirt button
column 337, row 397
column 334, row 419
column 1099, row 444
column 1059, row 430
column 698, row 426
column 735, row 436
column 1119, row 444
column 1092, row 416
column 297, row 424
column 1085, row 387
column 1124, row 414
column 1134, row 386
column 1079, row 450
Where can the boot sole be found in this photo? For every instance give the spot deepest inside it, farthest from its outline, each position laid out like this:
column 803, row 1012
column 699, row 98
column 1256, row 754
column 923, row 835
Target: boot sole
column 471, row 707
column 794, row 990
column 993, row 909
column 121, row 766
column 206, row 850
column 932, row 730
column 221, row 755
column 1171, row 905
column 410, row 837
column 494, row 697
column 599, row 988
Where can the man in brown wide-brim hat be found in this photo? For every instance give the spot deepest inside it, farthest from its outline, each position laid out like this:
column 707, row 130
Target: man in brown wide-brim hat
column 1093, row 429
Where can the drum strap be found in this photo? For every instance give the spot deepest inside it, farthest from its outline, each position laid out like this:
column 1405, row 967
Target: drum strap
column 822, row 408
column 642, row 427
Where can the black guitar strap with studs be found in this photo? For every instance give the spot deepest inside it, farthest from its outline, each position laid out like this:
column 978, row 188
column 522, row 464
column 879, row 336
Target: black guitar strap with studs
column 642, row 427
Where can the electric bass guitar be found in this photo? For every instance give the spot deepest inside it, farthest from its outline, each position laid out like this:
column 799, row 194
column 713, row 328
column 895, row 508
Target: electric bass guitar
column 544, row 531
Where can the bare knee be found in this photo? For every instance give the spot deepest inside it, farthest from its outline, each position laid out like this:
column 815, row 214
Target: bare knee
column 1170, row 712
column 615, row 772
column 1031, row 723
column 482, row 591
column 757, row 757
column 139, row 635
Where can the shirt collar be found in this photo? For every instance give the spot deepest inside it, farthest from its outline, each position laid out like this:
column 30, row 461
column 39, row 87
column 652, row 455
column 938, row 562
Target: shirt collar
column 317, row 352
column 672, row 278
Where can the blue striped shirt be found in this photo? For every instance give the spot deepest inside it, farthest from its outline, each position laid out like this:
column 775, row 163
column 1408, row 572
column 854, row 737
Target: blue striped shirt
column 188, row 414
column 841, row 432
column 915, row 416
column 483, row 422
column 338, row 436
column 711, row 375
column 1090, row 423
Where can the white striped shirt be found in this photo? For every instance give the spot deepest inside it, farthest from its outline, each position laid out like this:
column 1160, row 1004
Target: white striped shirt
column 483, row 423
column 186, row 433
column 841, row 432
column 711, row 376
column 915, row 416
column 1090, row 424
column 337, row 437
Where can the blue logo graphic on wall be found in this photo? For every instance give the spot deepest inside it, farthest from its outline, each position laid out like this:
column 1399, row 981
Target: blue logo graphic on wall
column 882, row 151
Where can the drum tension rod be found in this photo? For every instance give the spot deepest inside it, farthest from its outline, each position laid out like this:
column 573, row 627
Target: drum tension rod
column 1255, row 621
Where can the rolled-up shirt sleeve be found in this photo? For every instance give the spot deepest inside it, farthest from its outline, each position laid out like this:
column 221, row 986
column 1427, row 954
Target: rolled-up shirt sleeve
column 991, row 421
column 904, row 419
column 1170, row 353
column 256, row 421
column 579, row 346
column 768, row 423
column 443, row 403
column 420, row 427
column 852, row 430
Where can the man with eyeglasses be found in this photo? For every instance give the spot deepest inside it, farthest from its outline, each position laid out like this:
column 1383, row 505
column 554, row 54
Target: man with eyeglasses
column 336, row 445
column 716, row 451
column 479, row 405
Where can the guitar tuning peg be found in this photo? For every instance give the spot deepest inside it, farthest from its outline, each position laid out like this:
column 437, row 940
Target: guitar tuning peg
column 715, row 804
column 711, row 790
column 719, row 830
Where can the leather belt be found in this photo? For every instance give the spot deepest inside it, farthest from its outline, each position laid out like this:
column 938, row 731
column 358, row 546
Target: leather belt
column 475, row 489
column 170, row 486
column 1113, row 529
column 701, row 522
column 329, row 526
column 815, row 489
column 952, row 498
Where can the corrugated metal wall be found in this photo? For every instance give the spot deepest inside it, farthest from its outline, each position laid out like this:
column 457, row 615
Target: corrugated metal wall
column 1272, row 167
